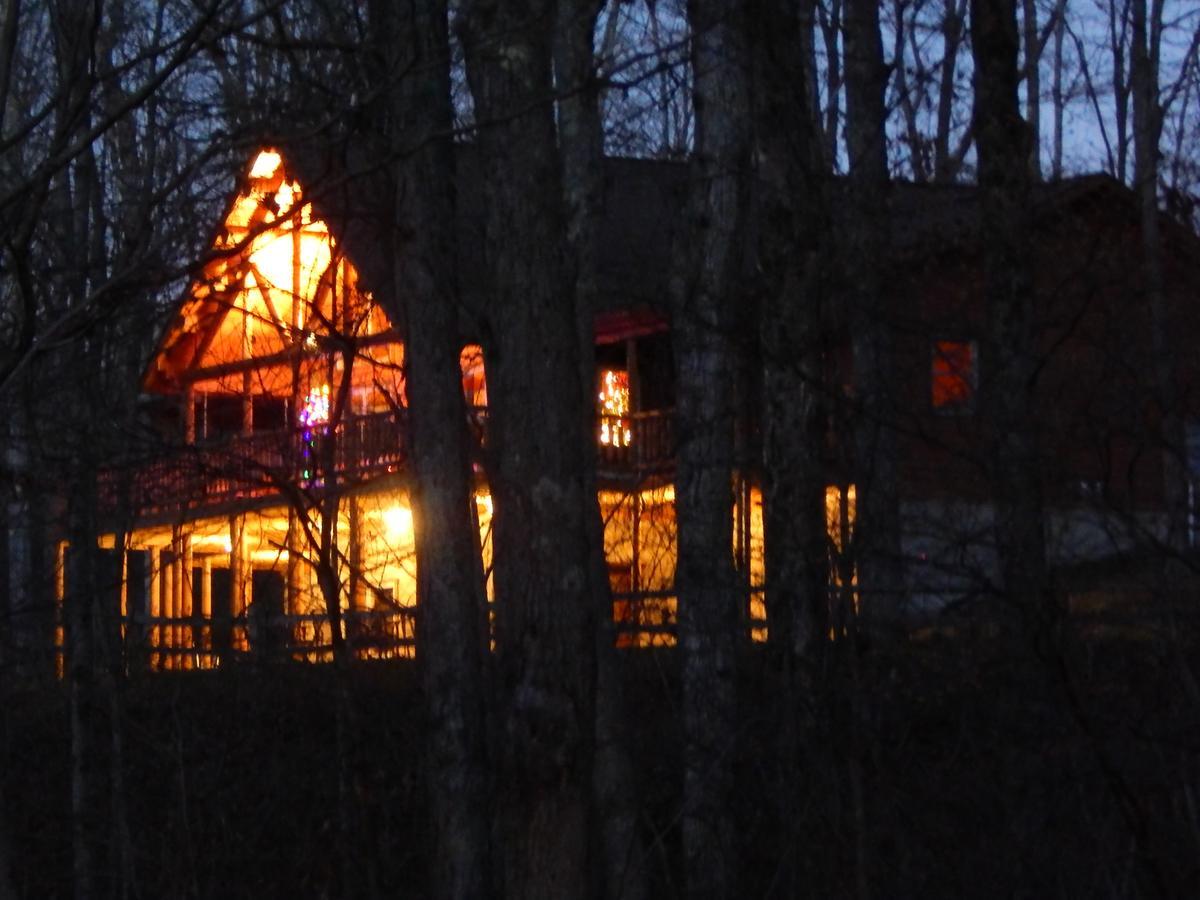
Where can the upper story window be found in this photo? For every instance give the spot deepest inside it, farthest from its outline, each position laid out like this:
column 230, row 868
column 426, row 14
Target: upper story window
column 612, row 404
column 474, row 379
column 953, row 376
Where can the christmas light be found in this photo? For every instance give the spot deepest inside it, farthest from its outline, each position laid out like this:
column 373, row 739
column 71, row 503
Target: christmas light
column 315, row 410
column 314, row 413
column 614, row 406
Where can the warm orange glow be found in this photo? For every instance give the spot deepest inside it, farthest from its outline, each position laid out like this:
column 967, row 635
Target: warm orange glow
column 756, row 559
column 840, row 513
column 613, row 406
column 641, row 550
column 277, row 283
column 398, row 520
column 265, row 164
column 473, row 377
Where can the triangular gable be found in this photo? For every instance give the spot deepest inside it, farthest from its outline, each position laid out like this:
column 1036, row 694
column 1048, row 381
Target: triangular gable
column 277, row 279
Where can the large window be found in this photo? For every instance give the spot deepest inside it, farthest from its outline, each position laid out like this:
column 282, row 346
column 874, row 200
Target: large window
column 953, row 376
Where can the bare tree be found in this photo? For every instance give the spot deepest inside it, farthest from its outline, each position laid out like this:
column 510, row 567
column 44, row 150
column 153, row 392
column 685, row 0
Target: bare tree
column 1145, row 49
column 864, row 244
column 1009, row 356
column 707, row 263
column 545, row 613
column 581, row 148
column 453, row 622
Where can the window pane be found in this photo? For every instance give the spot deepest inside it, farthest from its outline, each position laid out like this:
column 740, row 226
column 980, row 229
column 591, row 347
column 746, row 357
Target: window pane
column 952, row 380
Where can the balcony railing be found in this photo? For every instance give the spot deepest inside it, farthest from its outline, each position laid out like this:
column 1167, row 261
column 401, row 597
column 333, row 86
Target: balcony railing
column 635, row 443
column 208, row 476
column 245, row 467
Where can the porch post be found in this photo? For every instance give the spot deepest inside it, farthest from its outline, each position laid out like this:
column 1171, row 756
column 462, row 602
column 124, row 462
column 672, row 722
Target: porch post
column 293, row 586
column 123, row 559
column 189, row 414
column 247, row 404
column 204, row 638
column 631, row 371
column 186, row 638
column 60, row 594
column 166, row 629
column 154, row 600
column 357, row 586
column 239, row 581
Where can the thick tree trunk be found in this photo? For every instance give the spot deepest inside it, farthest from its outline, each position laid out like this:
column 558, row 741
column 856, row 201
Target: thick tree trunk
column 702, row 296
column 1033, row 85
column 791, row 203
column 452, row 636
column 545, row 615
column 581, row 145
column 1147, row 132
column 7, row 891
column 876, row 540
column 90, row 731
column 1009, row 359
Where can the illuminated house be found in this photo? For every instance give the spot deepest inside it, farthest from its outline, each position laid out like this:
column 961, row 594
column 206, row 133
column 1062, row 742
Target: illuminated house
column 282, row 403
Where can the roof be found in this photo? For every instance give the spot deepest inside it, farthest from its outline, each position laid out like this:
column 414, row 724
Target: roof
column 642, row 200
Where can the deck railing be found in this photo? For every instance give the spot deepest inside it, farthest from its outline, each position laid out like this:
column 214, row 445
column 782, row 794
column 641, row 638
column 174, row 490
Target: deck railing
column 637, row 442
column 211, row 475
column 243, row 467
column 193, row 642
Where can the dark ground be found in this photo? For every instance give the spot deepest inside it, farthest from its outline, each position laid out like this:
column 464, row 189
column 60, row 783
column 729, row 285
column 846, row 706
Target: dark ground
column 958, row 768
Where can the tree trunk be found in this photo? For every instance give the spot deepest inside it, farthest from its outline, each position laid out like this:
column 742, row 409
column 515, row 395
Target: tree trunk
column 1009, row 359
column 452, row 635
column 703, row 305
column 7, row 891
column 545, row 615
column 581, row 143
column 791, row 203
column 876, row 539
column 1033, row 85
column 90, row 731
column 946, row 163
column 1057, row 97
column 1147, row 131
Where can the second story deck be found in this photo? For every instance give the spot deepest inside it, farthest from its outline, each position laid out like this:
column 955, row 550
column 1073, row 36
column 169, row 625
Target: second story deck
column 173, row 482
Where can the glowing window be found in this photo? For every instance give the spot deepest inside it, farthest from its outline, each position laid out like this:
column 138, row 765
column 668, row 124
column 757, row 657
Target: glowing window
column 474, row 379
column 613, row 406
column 953, row 376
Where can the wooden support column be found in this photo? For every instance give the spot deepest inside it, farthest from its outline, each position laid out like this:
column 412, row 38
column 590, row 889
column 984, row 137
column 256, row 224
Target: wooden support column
column 154, row 601
column 166, row 632
column 123, row 560
column 297, row 580
column 184, row 635
column 204, row 641
column 247, row 403
column 635, row 580
column 60, row 596
column 631, row 370
column 189, row 414
column 294, row 586
column 240, row 581
column 357, row 585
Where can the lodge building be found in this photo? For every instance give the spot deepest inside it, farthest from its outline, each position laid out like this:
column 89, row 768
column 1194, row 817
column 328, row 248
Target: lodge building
column 279, row 392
